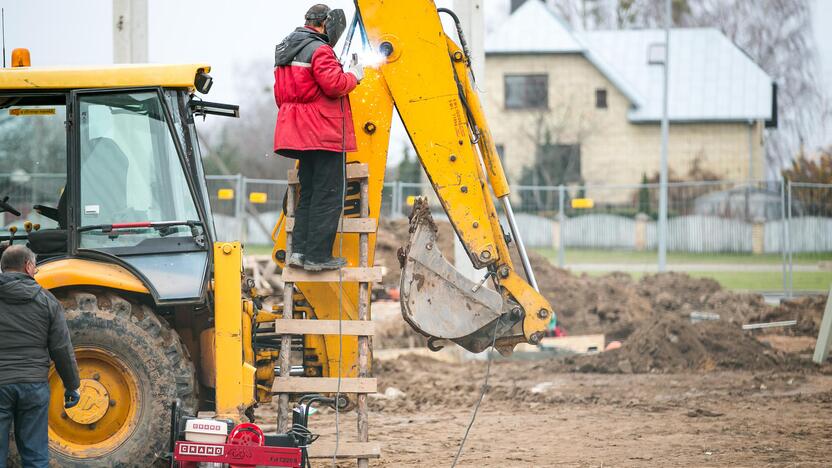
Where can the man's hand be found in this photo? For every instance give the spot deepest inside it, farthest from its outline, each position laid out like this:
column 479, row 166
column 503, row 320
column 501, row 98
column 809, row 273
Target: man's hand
column 356, row 68
column 71, row 398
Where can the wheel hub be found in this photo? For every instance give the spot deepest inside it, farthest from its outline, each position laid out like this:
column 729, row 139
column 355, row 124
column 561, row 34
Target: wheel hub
column 95, row 400
column 106, row 414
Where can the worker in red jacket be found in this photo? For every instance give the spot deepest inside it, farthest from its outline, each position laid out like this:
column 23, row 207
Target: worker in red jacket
column 314, row 125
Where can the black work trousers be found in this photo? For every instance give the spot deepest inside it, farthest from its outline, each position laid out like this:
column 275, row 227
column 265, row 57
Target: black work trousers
column 321, row 177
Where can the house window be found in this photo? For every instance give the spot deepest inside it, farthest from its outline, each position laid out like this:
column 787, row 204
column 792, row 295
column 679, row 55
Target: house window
column 527, row 91
column 600, row 98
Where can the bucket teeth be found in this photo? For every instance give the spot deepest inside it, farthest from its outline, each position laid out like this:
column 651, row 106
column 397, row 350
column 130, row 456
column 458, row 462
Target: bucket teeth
column 440, row 302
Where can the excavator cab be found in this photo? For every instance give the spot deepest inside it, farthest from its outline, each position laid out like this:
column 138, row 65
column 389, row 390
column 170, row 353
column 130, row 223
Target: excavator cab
column 102, row 178
column 131, row 197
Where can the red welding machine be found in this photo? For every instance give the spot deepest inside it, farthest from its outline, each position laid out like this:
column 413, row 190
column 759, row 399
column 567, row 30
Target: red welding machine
column 206, row 440
column 188, row 454
column 246, row 445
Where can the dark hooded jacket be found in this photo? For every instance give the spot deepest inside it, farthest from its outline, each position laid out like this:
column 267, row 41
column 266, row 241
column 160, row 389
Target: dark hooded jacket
column 310, row 89
column 33, row 330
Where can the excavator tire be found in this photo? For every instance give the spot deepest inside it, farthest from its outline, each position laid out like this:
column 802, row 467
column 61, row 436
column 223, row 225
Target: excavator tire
column 132, row 366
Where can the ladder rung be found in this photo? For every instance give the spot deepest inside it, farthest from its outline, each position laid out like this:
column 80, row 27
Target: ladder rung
column 323, row 385
column 351, row 225
column 348, row 275
column 345, row 450
column 323, row 327
column 354, row 171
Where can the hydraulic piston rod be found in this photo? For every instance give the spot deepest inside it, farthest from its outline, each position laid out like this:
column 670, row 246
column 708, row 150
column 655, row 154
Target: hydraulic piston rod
column 521, row 248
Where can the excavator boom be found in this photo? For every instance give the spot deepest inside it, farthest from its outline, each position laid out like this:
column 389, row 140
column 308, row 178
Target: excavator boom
column 425, row 75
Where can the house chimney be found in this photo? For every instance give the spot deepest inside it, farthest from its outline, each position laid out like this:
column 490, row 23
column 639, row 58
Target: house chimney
column 515, row 4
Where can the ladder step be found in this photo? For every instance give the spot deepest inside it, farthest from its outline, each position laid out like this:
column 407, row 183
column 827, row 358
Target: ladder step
column 345, row 450
column 323, row 327
column 350, row 225
column 323, row 385
column 354, row 171
column 348, row 275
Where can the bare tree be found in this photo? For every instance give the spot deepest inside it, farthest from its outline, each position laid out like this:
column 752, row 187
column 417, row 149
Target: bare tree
column 245, row 145
column 554, row 133
column 776, row 34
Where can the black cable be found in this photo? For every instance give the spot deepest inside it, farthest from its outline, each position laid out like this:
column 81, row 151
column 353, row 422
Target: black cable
column 340, row 280
column 482, row 394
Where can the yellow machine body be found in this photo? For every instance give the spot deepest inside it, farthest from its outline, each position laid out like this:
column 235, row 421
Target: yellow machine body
column 426, row 79
column 69, row 272
column 102, row 77
column 232, row 339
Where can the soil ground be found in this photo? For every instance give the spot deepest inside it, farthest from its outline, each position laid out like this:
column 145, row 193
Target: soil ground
column 536, row 418
column 676, row 393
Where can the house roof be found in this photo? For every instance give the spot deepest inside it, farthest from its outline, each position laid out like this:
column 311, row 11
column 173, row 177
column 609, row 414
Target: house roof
column 710, row 79
column 533, row 28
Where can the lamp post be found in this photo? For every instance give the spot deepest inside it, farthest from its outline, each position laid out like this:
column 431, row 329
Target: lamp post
column 665, row 135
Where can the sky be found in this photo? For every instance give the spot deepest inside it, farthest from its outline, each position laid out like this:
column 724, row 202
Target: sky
column 230, row 36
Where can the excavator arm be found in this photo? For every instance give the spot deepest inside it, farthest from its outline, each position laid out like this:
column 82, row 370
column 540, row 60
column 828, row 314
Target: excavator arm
column 425, row 75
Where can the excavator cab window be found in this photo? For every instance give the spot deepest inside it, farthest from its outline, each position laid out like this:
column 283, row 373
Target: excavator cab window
column 33, row 166
column 131, row 172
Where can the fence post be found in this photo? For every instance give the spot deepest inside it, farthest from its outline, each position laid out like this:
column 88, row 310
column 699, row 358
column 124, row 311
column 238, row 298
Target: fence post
column 239, row 206
column 789, row 238
column 640, row 237
column 825, row 333
column 561, row 226
column 783, row 233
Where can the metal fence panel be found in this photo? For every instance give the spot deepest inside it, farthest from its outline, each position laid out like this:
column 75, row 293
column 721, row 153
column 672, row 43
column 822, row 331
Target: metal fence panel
column 760, row 217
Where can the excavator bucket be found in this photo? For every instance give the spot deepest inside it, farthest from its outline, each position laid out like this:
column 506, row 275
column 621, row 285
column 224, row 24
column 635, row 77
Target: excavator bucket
column 440, row 302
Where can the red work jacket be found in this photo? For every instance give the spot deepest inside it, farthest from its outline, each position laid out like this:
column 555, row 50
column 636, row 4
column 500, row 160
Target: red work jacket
column 310, row 89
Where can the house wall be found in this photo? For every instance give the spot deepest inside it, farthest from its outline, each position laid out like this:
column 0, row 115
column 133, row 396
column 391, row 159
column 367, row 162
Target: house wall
column 613, row 150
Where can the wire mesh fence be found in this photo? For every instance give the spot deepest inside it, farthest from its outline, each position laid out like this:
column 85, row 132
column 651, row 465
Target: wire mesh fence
column 775, row 235
column 755, row 234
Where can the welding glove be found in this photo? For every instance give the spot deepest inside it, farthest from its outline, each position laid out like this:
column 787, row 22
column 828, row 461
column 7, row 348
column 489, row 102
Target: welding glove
column 356, row 68
column 71, row 398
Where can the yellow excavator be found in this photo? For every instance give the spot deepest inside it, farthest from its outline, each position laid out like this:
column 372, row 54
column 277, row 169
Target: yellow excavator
column 105, row 183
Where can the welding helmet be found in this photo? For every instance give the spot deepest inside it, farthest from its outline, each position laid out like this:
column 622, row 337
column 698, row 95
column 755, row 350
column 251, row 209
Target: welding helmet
column 334, row 21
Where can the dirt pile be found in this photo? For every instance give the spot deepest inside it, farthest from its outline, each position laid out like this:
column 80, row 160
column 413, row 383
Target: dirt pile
column 808, row 311
column 651, row 316
column 615, row 303
column 672, row 344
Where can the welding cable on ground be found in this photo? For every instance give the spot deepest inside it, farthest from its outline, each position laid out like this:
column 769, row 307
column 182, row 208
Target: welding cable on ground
column 482, row 395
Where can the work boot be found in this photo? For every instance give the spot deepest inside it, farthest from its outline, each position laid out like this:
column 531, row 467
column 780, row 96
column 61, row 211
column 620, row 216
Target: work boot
column 333, row 263
column 295, row 260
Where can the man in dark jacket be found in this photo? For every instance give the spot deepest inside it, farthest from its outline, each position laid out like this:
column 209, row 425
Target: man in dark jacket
column 32, row 330
column 314, row 125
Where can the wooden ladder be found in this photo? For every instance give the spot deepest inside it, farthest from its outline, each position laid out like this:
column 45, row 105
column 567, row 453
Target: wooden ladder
column 363, row 328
